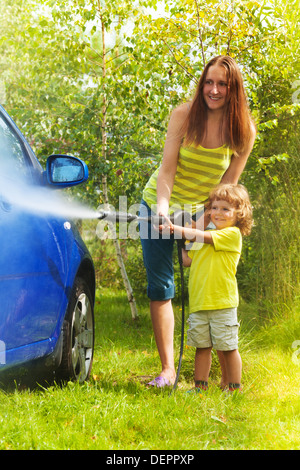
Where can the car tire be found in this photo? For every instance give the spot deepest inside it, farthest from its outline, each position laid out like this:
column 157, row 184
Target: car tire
column 78, row 335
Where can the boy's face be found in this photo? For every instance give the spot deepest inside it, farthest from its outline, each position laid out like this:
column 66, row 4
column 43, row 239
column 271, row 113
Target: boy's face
column 223, row 214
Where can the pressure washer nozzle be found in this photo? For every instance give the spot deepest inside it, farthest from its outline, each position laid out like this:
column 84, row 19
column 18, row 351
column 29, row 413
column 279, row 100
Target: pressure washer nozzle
column 178, row 218
column 116, row 216
column 102, row 215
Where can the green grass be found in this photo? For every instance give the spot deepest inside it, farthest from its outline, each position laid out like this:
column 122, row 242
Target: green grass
column 115, row 410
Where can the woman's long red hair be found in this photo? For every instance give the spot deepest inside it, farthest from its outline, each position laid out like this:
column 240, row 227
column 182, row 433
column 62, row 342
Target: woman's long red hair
column 237, row 117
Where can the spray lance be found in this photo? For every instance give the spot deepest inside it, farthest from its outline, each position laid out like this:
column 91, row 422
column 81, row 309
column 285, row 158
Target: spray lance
column 178, row 218
column 181, row 218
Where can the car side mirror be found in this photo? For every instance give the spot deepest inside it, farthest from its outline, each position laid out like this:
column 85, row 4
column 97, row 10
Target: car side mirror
column 65, row 170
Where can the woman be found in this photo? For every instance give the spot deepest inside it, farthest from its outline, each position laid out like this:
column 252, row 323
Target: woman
column 208, row 141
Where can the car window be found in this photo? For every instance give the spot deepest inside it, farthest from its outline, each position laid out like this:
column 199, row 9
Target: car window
column 12, row 153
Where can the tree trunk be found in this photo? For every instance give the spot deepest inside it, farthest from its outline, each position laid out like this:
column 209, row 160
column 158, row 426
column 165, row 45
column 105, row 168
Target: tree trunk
column 121, row 264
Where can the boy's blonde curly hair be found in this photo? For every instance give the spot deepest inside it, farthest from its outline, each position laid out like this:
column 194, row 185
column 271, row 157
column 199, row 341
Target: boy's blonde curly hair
column 237, row 196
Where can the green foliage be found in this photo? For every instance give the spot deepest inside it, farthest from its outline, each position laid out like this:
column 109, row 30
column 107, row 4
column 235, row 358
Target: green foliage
column 73, row 69
column 269, row 270
column 116, row 411
column 53, row 83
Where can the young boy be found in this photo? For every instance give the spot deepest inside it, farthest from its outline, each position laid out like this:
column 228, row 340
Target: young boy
column 213, row 291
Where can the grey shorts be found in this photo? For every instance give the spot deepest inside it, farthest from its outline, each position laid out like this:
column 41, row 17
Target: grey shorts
column 214, row 328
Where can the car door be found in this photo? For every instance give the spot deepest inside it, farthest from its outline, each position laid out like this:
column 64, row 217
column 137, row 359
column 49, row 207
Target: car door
column 32, row 257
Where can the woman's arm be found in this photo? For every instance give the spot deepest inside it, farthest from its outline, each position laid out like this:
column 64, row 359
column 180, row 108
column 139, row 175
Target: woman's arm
column 166, row 175
column 192, row 234
column 238, row 163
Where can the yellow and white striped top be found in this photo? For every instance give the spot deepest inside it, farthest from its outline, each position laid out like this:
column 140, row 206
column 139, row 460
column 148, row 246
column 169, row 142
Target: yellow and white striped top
column 199, row 170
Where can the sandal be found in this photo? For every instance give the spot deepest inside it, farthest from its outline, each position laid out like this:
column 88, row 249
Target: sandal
column 159, row 382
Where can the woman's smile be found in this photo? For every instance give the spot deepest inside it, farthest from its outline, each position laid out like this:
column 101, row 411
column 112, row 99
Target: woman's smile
column 215, row 87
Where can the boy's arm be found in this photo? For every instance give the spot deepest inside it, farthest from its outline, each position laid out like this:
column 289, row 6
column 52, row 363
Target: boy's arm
column 192, row 234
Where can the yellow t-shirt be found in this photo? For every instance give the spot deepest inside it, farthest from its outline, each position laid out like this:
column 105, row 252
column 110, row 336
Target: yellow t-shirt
column 212, row 281
column 199, row 170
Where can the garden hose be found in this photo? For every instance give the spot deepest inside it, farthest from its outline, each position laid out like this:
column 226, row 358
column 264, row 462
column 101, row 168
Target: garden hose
column 180, row 218
column 180, row 245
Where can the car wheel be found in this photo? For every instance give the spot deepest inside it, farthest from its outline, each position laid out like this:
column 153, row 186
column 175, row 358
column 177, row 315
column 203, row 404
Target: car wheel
column 78, row 335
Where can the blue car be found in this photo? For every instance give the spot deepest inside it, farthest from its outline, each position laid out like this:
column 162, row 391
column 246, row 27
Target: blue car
column 47, row 278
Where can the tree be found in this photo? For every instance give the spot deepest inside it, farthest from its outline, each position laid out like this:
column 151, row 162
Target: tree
column 63, row 86
column 113, row 97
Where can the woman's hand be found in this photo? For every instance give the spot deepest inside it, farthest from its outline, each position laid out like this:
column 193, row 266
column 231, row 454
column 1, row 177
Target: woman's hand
column 166, row 227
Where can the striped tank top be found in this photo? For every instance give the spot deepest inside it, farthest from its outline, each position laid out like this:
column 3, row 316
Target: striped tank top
column 199, row 170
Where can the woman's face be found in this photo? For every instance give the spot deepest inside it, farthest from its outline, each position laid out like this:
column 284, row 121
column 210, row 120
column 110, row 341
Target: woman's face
column 215, row 88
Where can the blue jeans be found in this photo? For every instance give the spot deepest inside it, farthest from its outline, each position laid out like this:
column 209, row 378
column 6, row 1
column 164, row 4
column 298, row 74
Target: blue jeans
column 158, row 259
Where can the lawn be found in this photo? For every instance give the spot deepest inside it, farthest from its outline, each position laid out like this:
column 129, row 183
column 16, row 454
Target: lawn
column 116, row 411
